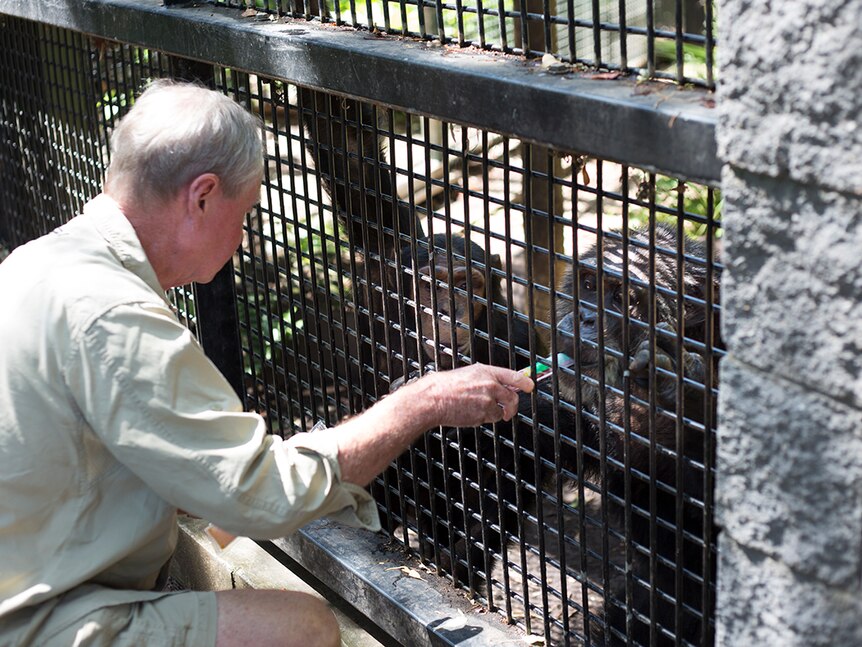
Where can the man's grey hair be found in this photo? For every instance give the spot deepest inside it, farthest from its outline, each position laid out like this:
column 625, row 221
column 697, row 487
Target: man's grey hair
column 178, row 131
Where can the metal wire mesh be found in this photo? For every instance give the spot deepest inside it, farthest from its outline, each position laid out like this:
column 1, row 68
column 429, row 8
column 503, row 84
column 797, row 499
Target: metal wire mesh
column 663, row 39
column 388, row 244
column 591, row 515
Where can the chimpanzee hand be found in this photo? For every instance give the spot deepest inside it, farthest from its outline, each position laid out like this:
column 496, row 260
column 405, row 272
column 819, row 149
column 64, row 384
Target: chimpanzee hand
column 665, row 363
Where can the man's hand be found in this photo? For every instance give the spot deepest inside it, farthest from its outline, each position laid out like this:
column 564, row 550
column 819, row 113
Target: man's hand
column 471, row 395
column 463, row 397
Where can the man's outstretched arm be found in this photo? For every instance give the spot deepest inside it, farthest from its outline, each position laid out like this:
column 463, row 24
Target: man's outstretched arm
column 464, row 397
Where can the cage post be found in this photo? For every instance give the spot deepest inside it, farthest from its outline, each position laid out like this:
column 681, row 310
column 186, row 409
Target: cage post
column 217, row 321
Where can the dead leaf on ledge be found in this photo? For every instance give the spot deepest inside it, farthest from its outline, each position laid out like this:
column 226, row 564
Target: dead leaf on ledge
column 603, row 76
column 248, row 13
column 409, row 572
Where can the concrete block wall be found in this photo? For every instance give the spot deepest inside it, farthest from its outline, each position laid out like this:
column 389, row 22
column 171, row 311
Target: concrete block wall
column 789, row 484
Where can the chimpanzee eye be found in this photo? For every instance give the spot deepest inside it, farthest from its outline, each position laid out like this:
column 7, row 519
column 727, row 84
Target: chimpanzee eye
column 618, row 296
column 588, row 284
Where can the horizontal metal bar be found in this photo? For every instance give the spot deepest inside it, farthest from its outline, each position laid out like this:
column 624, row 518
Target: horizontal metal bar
column 652, row 125
column 356, row 566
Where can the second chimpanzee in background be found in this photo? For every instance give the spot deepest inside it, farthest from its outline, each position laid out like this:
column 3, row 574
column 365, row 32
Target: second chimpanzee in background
column 454, row 313
column 452, row 282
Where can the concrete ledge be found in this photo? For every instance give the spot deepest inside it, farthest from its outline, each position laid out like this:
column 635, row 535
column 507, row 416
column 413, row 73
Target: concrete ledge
column 200, row 564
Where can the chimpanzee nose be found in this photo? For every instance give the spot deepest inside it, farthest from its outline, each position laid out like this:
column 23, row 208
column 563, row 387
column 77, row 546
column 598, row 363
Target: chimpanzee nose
column 588, row 317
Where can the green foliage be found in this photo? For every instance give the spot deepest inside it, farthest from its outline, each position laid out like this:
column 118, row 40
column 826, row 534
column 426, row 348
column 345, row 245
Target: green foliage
column 694, row 210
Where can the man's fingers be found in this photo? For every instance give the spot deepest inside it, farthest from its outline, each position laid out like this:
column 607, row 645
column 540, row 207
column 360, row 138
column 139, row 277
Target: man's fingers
column 513, row 380
column 507, row 400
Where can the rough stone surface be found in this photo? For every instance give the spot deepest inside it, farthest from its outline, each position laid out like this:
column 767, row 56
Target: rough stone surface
column 790, row 466
column 792, row 291
column 789, row 463
column 791, row 73
column 762, row 602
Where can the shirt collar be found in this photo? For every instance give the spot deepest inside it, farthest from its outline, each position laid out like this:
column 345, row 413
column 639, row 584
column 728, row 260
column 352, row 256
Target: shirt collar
column 112, row 224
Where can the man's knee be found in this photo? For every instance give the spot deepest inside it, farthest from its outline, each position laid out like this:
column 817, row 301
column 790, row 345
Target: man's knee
column 283, row 618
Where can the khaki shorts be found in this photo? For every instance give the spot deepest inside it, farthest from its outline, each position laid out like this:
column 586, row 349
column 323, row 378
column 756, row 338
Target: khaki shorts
column 95, row 615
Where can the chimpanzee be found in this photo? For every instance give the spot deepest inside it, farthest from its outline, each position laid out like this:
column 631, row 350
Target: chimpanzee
column 451, row 279
column 460, row 314
column 633, row 420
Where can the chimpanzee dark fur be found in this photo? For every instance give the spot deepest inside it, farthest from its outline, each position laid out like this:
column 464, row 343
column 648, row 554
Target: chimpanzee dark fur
column 607, row 407
column 343, row 139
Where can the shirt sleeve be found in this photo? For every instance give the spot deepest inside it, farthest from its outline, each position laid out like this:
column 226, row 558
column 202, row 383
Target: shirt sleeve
column 145, row 387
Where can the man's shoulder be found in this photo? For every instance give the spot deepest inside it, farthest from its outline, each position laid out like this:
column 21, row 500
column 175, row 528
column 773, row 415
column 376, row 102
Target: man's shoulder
column 69, row 277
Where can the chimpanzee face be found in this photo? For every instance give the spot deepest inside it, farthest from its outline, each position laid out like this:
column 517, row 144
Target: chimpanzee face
column 446, row 310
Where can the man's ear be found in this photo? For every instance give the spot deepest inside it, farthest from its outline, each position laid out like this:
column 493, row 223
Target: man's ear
column 200, row 190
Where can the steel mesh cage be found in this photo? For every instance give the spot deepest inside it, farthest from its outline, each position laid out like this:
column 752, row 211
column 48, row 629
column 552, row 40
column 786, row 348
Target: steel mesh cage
column 388, row 244
column 674, row 40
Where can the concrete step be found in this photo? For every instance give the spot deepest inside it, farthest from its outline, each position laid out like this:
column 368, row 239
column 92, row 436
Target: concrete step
column 201, row 564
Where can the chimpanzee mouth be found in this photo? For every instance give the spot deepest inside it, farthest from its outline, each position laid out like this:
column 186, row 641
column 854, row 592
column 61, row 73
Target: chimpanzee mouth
column 588, row 356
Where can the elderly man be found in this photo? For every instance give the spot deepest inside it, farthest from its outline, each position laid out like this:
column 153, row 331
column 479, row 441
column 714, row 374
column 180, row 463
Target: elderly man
column 112, row 418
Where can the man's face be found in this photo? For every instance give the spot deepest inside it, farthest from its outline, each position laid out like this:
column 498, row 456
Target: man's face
column 223, row 228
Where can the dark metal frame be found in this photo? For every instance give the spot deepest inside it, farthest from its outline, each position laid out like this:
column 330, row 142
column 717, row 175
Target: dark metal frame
column 653, row 126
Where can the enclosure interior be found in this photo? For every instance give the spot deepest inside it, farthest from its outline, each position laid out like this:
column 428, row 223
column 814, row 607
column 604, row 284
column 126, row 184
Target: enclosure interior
column 388, row 244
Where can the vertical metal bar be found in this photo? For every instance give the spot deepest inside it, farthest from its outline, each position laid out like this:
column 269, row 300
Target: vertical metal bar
column 369, row 372
column 520, row 439
column 558, row 448
column 504, row 35
column 498, row 445
column 627, row 412
column 650, row 26
column 570, row 30
column 597, row 32
column 218, row 326
column 679, row 463
column 624, row 50
column 459, row 13
column 603, row 421
column 402, row 319
column 480, row 16
column 549, row 40
column 383, row 273
column 653, row 447
column 710, row 47
column 369, row 18
column 463, row 458
column 402, row 5
column 494, row 450
column 281, row 297
column 580, row 422
column 678, row 42
column 526, row 45
column 536, row 440
column 387, row 25
column 311, row 312
column 441, row 28
column 710, row 382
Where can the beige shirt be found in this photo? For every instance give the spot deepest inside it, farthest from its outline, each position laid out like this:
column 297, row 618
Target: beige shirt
column 112, row 417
